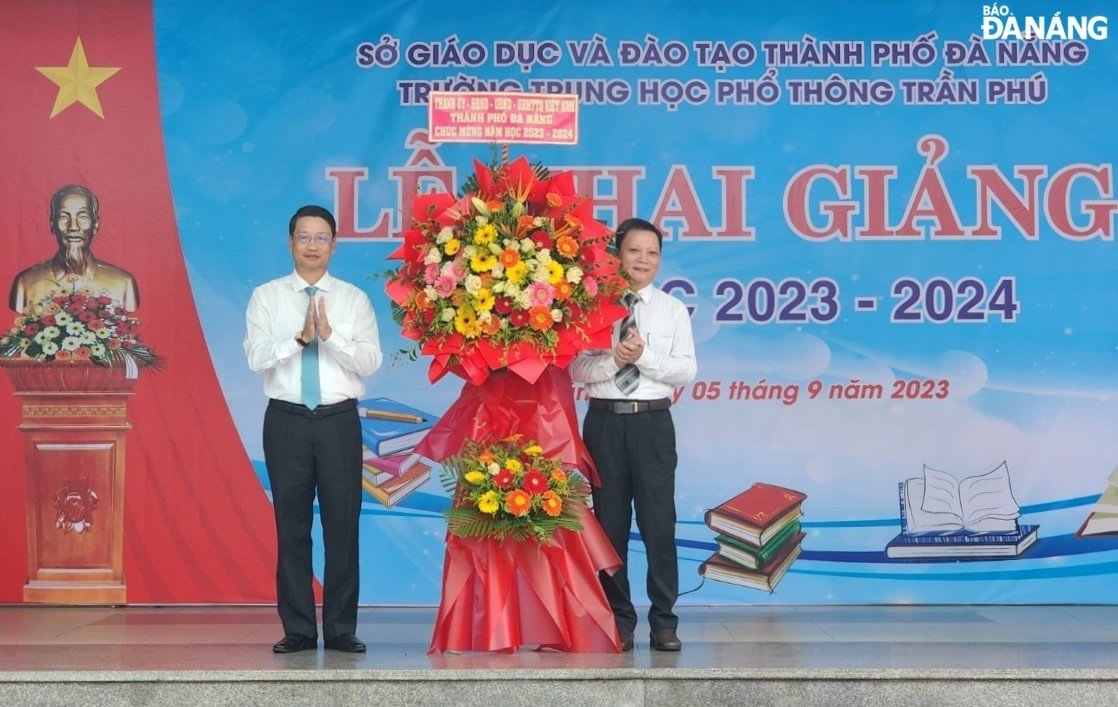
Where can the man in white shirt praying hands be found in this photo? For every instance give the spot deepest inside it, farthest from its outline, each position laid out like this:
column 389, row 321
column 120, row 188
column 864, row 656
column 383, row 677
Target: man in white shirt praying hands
column 630, row 434
column 315, row 338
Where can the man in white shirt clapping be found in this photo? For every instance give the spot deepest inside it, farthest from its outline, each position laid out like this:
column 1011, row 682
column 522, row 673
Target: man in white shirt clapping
column 630, row 434
column 315, row 338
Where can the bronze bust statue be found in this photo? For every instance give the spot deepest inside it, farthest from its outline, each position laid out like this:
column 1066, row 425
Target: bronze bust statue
column 74, row 220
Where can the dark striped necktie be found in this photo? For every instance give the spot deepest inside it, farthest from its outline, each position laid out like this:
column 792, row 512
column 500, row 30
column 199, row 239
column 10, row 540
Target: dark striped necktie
column 627, row 378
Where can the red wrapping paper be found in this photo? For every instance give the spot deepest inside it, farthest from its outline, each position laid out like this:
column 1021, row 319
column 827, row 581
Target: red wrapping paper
column 499, row 597
column 504, row 405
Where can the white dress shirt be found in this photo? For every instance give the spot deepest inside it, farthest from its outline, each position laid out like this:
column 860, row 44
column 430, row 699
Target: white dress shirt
column 668, row 359
column 276, row 314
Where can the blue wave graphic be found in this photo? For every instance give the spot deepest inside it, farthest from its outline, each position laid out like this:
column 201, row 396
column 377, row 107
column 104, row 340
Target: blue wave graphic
column 427, row 505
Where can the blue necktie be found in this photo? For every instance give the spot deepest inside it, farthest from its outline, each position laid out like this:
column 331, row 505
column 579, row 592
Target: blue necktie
column 312, row 390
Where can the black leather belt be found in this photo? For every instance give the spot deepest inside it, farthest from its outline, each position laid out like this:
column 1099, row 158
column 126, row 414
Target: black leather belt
column 320, row 411
column 630, row 407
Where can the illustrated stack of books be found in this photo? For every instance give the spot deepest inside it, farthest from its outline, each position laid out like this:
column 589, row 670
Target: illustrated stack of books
column 390, row 431
column 759, row 537
column 946, row 519
column 1104, row 517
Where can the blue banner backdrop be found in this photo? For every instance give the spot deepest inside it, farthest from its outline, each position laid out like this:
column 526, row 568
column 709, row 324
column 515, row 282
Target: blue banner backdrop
column 897, row 239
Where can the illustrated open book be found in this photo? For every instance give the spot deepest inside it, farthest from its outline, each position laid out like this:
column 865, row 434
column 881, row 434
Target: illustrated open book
column 980, row 504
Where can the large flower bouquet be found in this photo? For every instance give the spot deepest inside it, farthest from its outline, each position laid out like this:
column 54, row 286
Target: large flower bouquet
column 513, row 274
column 509, row 489
column 84, row 325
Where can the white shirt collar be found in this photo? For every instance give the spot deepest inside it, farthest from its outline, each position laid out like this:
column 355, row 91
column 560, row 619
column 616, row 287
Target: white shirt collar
column 324, row 283
column 645, row 293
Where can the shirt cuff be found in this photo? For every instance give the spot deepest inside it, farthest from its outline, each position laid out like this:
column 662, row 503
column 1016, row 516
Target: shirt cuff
column 649, row 359
column 337, row 343
column 287, row 349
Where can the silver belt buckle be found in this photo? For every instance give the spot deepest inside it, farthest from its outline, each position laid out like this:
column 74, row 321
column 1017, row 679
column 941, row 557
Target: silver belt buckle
column 629, row 407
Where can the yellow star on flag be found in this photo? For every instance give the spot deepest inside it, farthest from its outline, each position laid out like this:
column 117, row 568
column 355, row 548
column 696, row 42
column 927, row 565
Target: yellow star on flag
column 77, row 82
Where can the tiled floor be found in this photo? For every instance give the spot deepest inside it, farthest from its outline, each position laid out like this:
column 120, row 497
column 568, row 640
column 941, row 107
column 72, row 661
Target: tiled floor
column 793, row 638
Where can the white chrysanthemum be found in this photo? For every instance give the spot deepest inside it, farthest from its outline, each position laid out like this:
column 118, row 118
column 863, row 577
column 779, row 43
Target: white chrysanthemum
column 42, row 338
column 87, row 337
column 50, row 348
column 574, row 274
column 63, row 318
column 97, row 350
column 556, row 315
column 52, row 332
column 448, row 314
column 75, row 328
column 71, row 343
column 434, row 256
column 104, row 333
column 473, row 284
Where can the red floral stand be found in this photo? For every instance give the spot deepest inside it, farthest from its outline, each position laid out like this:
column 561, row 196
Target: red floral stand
column 75, row 418
column 501, row 596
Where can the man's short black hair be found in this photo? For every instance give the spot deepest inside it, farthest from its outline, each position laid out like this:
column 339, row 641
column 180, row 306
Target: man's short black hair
column 636, row 224
column 316, row 211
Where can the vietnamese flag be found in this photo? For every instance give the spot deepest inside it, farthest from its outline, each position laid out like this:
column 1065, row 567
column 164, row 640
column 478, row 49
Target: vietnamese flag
column 80, row 106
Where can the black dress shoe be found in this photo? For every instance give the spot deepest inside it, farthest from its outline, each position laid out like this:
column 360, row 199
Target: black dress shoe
column 346, row 644
column 665, row 639
column 293, row 643
column 626, row 641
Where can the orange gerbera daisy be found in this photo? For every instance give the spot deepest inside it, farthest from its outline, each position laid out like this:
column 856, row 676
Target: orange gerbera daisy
column 562, row 290
column 486, row 457
column 559, row 475
column 552, row 504
column 518, row 502
column 540, row 318
column 508, row 258
column 567, row 247
column 492, row 326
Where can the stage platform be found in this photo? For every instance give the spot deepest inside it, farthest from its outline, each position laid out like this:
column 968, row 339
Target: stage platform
column 941, row 655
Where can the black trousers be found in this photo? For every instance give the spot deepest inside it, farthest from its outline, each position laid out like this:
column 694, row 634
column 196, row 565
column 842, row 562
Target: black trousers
column 636, row 458
column 307, row 451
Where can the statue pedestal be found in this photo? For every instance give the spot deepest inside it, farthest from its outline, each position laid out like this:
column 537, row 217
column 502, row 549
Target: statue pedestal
column 74, row 424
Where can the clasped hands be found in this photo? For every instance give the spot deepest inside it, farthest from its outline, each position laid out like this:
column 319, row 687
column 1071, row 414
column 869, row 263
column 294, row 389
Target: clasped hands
column 316, row 323
column 629, row 349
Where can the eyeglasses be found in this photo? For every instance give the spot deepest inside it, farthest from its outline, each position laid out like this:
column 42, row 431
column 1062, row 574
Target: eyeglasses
column 317, row 239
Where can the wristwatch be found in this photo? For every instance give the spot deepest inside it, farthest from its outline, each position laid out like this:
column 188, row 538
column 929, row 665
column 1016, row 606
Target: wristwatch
column 299, row 340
